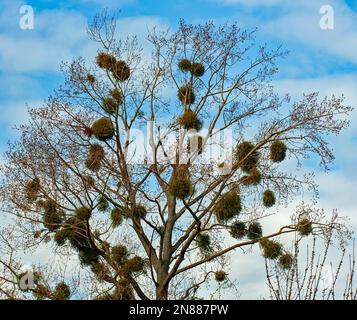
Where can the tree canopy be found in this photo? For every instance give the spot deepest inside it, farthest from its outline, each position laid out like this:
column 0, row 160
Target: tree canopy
column 161, row 227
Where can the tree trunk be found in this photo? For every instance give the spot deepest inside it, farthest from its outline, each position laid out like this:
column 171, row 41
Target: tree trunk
column 163, row 286
column 162, row 291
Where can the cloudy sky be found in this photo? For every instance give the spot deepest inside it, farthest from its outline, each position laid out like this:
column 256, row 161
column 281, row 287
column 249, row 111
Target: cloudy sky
column 319, row 60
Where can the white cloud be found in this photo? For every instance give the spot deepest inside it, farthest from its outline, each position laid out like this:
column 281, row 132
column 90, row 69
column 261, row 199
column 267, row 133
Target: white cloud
column 251, row 2
column 139, row 25
column 327, row 86
column 109, row 3
column 299, row 22
column 57, row 36
column 15, row 113
column 17, row 86
column 302, row 23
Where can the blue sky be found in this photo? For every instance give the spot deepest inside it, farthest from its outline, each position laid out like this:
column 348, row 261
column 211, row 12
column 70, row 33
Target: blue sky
column 319, row 60
column 30, row 59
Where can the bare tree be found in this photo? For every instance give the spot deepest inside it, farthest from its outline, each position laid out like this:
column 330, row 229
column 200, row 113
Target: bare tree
column 309, row 274
column 163, row 227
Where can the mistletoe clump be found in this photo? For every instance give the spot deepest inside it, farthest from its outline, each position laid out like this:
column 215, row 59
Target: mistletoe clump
column 103, row 129
column 119, row 254
column 100, row 270
column 78, row 234
column 117, row 95
column 52, row 217
column 228, row 206
column 88, row 182
column 204, row 242
column 246, row 156
column 197, row 69
column 110, row 105
column 41, row 292
column 133, row 265
column 105, row 60
column 61, row 236
column 90, row 78
column 286, row 260
column 121, row 70
column 102, row 204
column 220, row 276
column 184, row 65
column 95, row 157
column 62, row 292
column 124, row 291
column 37, row 234
column 117, row 217
column 180, row 185
column 83, row 213
column 138, row 211
column 88, row 132
column 254, row 177
column 88, row 256
column 32, row 188
column 304, row 227
column 268, row 198
column 238, row 230
column 79, row 240
column 221, row 165
column 278, row 151
column 186, row 94
column 189, row 121
column 255, row 231
column 271, row 248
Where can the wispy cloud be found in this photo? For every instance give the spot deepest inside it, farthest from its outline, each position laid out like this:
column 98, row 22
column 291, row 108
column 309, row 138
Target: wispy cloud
column 302, row 24
column 57, row 36
column 298, row 23
column 251, row 3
